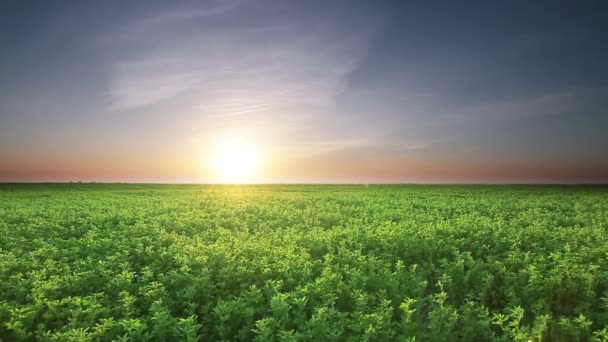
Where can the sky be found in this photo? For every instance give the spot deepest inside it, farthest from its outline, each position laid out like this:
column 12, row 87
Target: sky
column 326, row 91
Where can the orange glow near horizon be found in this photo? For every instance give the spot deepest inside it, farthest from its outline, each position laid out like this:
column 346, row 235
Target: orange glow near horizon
column 248, row 156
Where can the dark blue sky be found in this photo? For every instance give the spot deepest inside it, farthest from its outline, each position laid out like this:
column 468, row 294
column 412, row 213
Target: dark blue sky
column 329, row 91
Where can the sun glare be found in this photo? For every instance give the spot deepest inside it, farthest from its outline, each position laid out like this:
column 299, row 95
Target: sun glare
column 235, row 160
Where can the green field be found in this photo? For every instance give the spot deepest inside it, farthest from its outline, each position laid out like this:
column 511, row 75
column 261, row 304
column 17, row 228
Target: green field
column 375, row 263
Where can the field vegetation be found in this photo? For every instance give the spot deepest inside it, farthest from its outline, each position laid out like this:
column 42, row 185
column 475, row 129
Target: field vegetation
column 104, row 262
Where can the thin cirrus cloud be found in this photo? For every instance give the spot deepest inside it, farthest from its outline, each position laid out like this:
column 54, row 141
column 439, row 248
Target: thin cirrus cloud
column 223, row 71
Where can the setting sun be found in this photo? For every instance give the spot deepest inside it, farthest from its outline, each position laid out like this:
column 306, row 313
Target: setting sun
column 235, row 160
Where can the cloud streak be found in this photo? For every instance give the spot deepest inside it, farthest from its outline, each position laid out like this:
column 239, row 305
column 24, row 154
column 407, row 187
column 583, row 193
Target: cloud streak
column 227, row 72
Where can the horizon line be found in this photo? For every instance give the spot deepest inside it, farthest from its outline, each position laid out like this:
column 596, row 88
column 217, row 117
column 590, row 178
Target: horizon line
column 301, row 183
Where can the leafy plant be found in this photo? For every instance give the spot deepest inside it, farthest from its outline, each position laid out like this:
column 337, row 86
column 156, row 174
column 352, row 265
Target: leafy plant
column 111, row 262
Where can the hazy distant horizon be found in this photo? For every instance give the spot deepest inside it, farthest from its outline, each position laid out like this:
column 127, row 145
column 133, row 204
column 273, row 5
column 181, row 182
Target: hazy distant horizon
column 590, row 183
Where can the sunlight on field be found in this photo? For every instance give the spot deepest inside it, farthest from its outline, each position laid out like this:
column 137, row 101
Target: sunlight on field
column 149, row 262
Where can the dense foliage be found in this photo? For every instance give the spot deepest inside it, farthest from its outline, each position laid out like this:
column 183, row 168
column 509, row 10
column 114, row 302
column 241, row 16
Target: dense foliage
column 326, row 263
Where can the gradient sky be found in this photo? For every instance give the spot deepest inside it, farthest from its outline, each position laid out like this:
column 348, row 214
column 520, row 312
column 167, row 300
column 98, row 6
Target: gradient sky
column 330, row 91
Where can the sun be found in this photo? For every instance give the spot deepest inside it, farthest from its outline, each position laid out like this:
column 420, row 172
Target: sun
column 235, row 160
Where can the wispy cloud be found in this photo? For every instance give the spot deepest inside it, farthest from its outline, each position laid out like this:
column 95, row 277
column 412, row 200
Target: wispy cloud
column 224, row 71
column 571, row 101
column 201, row 10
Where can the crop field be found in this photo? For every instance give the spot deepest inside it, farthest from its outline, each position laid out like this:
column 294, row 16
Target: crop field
column 103, row 262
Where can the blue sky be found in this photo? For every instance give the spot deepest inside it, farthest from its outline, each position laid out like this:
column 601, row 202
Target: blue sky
column 341, row 91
